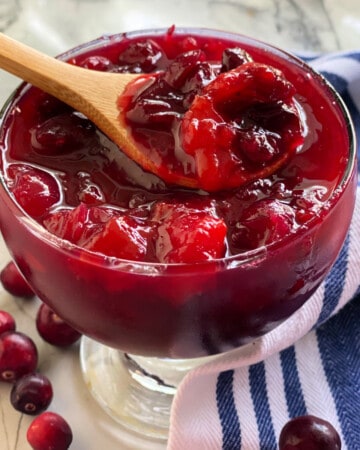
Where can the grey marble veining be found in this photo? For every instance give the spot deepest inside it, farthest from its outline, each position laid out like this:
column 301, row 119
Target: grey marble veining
column 308, row 25
column 56, row 25
column 295, row 25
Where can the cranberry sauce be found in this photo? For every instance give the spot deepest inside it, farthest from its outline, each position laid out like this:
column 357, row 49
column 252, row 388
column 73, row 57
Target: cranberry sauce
column 95, row 201
column 68, row 176
column 214, row 126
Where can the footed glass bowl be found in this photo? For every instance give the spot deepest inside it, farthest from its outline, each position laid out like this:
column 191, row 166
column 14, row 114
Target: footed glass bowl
column 148, row 322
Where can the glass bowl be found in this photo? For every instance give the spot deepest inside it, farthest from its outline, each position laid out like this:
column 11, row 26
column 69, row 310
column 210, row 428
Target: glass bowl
column 149, row 323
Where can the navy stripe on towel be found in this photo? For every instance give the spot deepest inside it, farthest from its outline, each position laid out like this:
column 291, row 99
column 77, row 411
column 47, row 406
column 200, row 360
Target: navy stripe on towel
column 267, row 438
column 231, row 435
column 293, row 392
column 339, row 346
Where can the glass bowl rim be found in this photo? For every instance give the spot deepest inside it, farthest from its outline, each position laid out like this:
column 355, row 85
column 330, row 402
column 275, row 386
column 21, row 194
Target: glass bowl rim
column 234, row 260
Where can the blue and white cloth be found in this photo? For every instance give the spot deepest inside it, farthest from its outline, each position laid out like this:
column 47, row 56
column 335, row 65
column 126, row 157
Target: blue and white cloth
column 308, row 365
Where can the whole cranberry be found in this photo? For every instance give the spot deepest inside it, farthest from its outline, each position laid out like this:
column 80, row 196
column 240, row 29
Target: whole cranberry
column 18, row 355
column 53, row 329
column 31, row 184
column 96, row 62
column 263, row 222
column 13, row 281
column 309, row 433
column 234, row 57
column 7, row 322
column 49, row 431
column 31, row 394
column 140, row 56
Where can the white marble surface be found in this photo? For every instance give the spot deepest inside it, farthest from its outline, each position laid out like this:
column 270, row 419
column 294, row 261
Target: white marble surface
column 54, row 26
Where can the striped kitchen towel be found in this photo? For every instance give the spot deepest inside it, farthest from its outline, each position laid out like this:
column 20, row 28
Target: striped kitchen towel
column 308, row 365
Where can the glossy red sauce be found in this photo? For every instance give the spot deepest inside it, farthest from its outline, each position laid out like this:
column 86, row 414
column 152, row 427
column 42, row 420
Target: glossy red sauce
column 69, row 177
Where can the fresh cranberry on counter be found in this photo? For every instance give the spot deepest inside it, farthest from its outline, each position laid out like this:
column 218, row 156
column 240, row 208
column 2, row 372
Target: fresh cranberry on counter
column 309, row 433
column 18, row 355
column 53, row 329
column 49, row 431
column 7, row 322
column 31, row 394
column 13, row 281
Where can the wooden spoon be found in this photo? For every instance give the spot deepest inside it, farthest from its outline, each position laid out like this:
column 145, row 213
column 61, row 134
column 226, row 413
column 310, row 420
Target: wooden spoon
column 95, row 94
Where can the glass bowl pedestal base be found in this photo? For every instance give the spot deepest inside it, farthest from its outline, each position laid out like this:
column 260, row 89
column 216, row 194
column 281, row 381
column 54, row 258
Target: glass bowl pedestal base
column 135, row 391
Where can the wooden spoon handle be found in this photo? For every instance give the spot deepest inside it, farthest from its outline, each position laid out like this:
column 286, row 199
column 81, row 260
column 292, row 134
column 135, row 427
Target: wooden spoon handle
column 76, row 86
column 35, row 67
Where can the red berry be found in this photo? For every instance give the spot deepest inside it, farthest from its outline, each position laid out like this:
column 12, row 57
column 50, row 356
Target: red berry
column 7, row 322
column 309, row 433
column 31, row 185
column 13, row 281
column 234, row 57
column 140, row 56
column 262, row 223
column 18, row 355
column 78, row 225
column 96, row 62
column 63, row 133
column 31, row 394
column 148, row 112
column 53, row 329
column 187, row 235
column 184, row 67
column 49, row 431
column 122, row 237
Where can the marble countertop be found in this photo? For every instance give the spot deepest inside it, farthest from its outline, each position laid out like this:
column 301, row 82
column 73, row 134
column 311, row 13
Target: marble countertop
column 53, row 26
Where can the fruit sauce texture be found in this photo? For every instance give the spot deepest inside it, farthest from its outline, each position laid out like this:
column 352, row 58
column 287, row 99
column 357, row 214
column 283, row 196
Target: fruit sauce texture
column 75, row 182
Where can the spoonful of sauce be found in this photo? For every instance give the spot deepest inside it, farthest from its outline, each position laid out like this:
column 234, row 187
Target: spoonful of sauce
column 223, row 136
column 90, row 92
